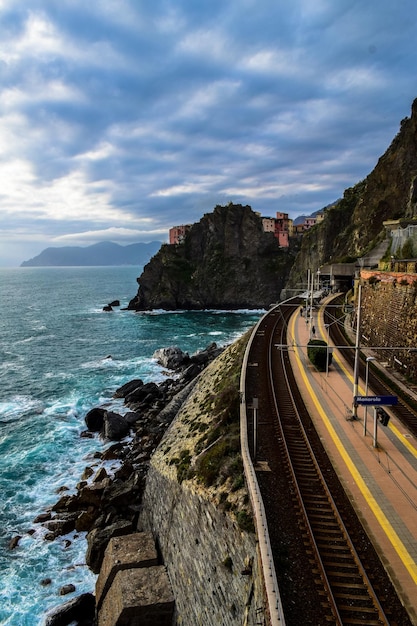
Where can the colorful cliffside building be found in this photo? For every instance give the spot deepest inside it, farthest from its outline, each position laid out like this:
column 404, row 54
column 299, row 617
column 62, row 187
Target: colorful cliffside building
column 177, row 233
column 281, row 226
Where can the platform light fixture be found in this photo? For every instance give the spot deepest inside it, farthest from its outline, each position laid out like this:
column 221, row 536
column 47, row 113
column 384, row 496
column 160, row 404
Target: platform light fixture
column 365, row 413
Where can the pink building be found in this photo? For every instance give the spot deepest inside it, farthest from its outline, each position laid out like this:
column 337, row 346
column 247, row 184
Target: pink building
column 309, row 222
column 177, row 233
column 283, row 239
column 280, row 226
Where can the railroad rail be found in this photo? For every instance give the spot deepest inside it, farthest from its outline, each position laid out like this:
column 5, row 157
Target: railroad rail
column 326, row 567
column 404, row 410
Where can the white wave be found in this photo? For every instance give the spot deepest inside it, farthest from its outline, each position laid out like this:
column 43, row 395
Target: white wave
column 59, row 376
column 39, row 328
column 204, row 311
column 38, row 337
column 108, row 362
column 17, row 404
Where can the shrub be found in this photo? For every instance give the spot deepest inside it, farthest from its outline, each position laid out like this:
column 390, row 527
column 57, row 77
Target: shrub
column 228, row 563
column 245, row 521
column 183, row 465
column 317, row 352
column 208, row 466
column 407, row 251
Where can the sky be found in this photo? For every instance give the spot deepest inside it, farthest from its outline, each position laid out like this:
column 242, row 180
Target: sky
column 122, row 118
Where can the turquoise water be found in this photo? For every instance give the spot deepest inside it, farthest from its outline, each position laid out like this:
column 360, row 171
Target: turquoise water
column 55, row 344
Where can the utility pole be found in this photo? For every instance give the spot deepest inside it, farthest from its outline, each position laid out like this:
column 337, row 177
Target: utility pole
column 311, row 287
column 356, row 368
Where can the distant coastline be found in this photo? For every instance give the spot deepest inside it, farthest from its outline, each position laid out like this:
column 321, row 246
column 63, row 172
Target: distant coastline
column 105, row 253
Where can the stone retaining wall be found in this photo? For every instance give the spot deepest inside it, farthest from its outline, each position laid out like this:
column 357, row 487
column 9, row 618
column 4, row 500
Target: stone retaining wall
column 213, row 566
column 389, row 318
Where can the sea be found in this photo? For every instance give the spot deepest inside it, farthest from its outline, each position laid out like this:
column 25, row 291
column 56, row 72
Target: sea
column 60, row 356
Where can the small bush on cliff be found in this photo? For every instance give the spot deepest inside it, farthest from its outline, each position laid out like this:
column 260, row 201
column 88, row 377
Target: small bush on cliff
column 212, row 461
column 183, row 463
column 407, row 251
column 245, row 521
column 226, row 402
column 317, row 353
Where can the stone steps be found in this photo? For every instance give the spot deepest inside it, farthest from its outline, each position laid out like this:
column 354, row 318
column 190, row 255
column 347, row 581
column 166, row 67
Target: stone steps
column 132, row 587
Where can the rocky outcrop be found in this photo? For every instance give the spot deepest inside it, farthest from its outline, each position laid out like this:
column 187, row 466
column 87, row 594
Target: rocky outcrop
column 80, row 610
column 106, row 504
column 225, row 262
column 354, row 225
column 212, row 541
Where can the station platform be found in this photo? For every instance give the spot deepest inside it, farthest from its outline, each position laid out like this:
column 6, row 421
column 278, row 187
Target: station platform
column 378, row 473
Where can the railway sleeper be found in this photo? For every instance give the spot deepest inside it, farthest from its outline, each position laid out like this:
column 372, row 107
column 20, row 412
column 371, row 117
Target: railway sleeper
column 346, row 583
column 317, row 498
column 352, row 620
column 344, row 560
column 349, row 609
column 325, row 537
column 345, row 578
column 322, row 513
column 321, row 528
column 331, row 526
column 307, row 477
column 353, row 583
column 355, row 594
column 344, row 571
column 325, row 540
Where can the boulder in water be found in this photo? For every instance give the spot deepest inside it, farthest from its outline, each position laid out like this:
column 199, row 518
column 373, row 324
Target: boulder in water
column 95, row 419
column 115, row 426
column 172, row 358
column 80, row 610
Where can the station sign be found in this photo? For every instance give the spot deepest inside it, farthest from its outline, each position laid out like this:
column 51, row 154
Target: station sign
column 376, row 400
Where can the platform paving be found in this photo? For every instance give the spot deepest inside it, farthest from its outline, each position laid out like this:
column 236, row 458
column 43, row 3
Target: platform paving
column 381, row 479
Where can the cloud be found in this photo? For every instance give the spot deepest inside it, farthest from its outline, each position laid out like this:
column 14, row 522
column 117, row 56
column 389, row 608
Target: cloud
column 122, row 235
column 122, row 119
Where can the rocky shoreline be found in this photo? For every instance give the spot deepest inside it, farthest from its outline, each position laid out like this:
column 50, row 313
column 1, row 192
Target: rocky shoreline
column 106, row 504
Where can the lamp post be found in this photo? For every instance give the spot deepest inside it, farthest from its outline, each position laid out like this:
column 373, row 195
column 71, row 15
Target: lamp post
column 326, row 326
column 365, row 413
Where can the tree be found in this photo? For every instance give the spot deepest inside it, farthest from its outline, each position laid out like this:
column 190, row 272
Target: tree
column 317, row 352
column 407, row 249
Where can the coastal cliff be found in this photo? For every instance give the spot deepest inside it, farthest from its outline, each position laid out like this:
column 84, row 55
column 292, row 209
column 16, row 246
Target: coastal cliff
column 197, row 506
column 353, row 226
column 226, row 261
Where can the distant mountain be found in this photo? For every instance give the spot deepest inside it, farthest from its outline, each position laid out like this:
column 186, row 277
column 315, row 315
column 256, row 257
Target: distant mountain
column 104, row 253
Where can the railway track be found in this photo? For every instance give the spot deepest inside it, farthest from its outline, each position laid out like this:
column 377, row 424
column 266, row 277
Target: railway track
column 327, row 569
column 404, row 410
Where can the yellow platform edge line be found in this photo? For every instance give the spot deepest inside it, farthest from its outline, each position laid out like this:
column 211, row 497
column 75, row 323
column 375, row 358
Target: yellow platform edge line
column 381, row 518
